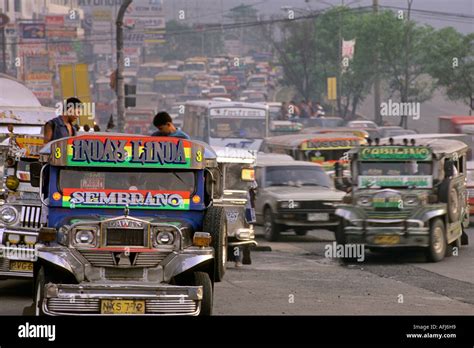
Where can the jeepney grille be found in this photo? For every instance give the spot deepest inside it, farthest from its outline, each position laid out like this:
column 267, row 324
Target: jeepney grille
column 388, row 214
column 4, row 265
column 30, row 216
column 152, row 306
column 101, row 258
column 125, row 237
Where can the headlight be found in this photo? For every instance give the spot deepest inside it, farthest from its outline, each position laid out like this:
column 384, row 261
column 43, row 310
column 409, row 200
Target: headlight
column 30, row 240
column 84, row 236
column 13, row 238
column 289, row 204
column 364, row 201
column 8, row 215
column 165, row 237
column 411, row 201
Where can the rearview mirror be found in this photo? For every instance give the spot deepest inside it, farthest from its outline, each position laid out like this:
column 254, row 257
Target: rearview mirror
column 35, row 171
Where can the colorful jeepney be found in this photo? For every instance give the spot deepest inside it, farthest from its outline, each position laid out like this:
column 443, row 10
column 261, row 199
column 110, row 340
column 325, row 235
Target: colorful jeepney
column 20, row 206
column 324, row 149
column 407, row 196
column 237, row 167
column 131, row 226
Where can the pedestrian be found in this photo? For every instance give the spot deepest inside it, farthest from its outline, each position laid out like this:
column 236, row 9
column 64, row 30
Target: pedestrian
column 63, row 125
column 164, row 123
column 319, row 110
column 304, row 110
column 284, row 111
column 293, row 109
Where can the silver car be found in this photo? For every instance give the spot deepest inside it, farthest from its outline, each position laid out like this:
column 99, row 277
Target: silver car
column 294, row 194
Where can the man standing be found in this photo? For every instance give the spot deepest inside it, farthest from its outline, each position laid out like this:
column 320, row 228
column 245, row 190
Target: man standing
column 63, row 125
column 164, row 123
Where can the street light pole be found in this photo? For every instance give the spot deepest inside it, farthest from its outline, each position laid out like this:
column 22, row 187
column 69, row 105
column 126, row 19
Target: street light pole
column 120, row 67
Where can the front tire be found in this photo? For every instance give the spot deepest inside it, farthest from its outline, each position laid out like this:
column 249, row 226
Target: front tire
column 39, row 292
column 246, row 260
column 271, row 228
column 203, row 279
column 437, row 248
column 215, row 222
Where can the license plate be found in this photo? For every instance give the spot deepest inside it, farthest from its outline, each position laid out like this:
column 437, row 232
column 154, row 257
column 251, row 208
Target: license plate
column 387, row 240
column 122, row 307
column 318, row 217
column 21, row 266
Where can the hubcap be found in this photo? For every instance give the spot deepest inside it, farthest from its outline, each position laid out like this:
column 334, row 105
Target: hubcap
column 438, row 240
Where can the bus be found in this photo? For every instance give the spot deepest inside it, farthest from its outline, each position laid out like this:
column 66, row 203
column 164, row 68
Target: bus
column 226, row 123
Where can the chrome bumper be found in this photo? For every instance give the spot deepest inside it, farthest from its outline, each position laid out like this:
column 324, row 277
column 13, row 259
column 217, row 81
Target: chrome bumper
column 5, row 271
column 412, row 232
column 85, row 298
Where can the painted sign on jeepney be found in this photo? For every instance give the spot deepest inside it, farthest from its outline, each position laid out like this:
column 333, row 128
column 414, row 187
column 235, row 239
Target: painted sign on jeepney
column 395, row 153
column 127, row 152
column 421, row 181
column 138, row 199
column 330, row 144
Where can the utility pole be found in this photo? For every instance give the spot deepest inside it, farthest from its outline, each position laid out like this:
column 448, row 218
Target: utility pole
column 377, row 118
column 120, row 67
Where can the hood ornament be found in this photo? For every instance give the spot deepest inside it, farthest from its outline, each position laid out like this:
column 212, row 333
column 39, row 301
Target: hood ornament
column 126, row 210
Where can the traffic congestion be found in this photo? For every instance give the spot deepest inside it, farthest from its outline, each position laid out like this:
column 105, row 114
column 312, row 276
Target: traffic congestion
column 213, row 184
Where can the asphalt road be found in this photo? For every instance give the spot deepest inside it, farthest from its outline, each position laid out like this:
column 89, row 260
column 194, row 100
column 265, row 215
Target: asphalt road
column 295, row 278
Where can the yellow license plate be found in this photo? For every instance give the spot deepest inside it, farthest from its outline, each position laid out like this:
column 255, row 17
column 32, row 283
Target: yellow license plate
column 21, row 266
column 387, row 240
column 122, row 307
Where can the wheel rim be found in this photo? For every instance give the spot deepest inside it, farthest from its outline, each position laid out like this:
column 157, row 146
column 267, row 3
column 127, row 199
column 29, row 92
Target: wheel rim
column 438, row 240
column 268, row 223
column 454, row 201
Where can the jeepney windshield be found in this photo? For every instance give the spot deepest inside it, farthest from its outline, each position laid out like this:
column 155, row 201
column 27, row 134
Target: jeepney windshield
column 233, row 178
column 297, row 176
column 395, row 168
column 249, row 128
column 127, row 179
column 325, row 155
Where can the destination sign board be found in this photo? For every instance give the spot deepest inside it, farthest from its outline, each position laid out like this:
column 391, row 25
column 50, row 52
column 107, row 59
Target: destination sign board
column 237, row 112
column 395, row 153
column 370, row 181
column 127, row 152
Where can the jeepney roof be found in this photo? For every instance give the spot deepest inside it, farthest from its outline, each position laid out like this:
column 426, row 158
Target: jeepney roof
column 294, row 140
column 267, row 161
column 323, row 130
column 225, row 104
column 209, row 153
column 438, row 145
column 233, row 155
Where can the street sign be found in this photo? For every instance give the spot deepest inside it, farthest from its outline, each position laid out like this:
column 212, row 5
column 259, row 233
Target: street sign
column 4, row 20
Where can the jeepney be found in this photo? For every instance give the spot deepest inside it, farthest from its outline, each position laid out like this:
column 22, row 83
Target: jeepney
column 324, row 149
column 131, row 226
column 20, row 206
column 407, row 196
column 237, row 167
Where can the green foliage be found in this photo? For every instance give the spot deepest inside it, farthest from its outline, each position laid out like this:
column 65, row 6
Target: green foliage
column 452, row 63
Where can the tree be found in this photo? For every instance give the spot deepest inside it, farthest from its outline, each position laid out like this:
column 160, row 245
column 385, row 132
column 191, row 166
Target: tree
column 452, row 64
column 403, row 48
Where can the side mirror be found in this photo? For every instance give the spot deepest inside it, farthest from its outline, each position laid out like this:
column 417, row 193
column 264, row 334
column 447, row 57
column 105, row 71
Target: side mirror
column 448, row 168
column 35, row 170
column 337, row 170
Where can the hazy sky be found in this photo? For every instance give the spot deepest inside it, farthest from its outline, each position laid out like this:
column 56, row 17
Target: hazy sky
column 212, row 10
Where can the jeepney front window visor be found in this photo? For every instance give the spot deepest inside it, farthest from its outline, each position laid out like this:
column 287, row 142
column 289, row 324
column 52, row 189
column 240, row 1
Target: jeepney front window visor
column 127, row 179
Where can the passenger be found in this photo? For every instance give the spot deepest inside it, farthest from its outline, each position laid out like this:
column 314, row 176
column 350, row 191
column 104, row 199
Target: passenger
column 164, row 123
column 62, row 126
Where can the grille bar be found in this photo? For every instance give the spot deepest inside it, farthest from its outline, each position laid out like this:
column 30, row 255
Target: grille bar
column 30, row 216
